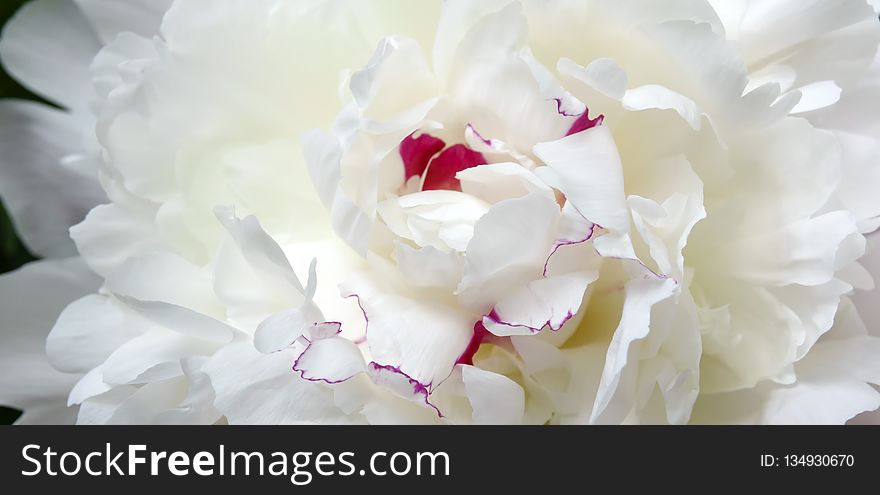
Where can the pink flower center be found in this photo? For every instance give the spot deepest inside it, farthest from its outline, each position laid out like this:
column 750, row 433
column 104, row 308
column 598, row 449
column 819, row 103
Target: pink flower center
column 428, row 157
column 416, row 152
column 480, row 334
column 583, row 123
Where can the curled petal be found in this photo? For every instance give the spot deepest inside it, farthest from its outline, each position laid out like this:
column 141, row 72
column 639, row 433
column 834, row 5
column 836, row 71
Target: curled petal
column 43, row 195
column 509, row 248
column 586, row 168
column 255, row 388
column 331, row 360
column 87, row 332
column 421, row 337
column 628, row 366
column 32, row 297
column 400, row 383
column 496, row 182
column 54, row 65
column 496, row 399
column 429, row 267
column 543, row 303
column 282, row 329
column 110, row 18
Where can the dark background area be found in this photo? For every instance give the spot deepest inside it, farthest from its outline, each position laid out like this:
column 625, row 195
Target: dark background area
column 12, row 253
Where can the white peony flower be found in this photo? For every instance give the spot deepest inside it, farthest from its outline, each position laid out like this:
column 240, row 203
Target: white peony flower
column 459, row 212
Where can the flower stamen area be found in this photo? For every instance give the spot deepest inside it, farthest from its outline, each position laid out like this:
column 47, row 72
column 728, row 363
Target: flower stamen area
column 428, row 157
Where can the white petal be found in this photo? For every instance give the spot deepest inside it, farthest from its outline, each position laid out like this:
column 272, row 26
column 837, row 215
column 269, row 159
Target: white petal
column 618, row 390
column 440, row 219
column 586, row 167
column 323, row 154
column 750, row 347
column 573, row 229
column 429, row 267
column 496, row 182
column 665, row 228
column 281, row 330
column 255, row 388
column 111, row 17
column 496, row 149
column 538, row 355
column 260, row 250
column 790, row 168
column 832, row 385
column 810, row 402
column 116, row 67
column 418, row 336
column 396, row 78
column 331, row 360
column 248, row 296
column 820, row 40
column 399, row 383
column 111, row 234
column 817, row 95
column 99, row 409
column 336, row 261
column 148, row 401
column 48, row 46
column 32, row 297
column 88, row 331
column 43, row 197
column 459, row 18
column 166, row 277
column 547, row 302
column 496, row 85
column 861, row 165
column 496, row 399
column 866, row 301
column 198, row 407
column 710, row 62
column 89, row 385
column 175, row 101
column 768, row 259
column 509, row 248
column 602, row 74
column 180, row 319
column 662, row 98
column 153, row 356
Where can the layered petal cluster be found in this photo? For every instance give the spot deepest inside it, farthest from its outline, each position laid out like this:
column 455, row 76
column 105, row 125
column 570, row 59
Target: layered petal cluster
column 457, row 212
